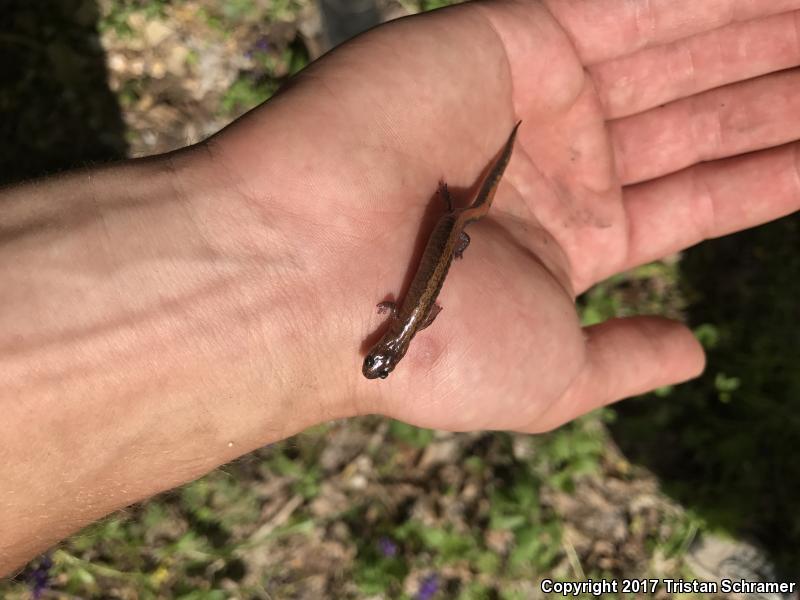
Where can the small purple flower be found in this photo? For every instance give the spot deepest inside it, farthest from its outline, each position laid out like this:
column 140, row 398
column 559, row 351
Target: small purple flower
column 388, row 547
column 260, row 47
column 40, row 576
column 428, row 587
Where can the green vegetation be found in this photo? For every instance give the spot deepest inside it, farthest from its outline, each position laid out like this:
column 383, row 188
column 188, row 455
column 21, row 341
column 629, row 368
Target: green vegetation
column 245, row 93
column 731, row 435
column 434, row 4
column 116, row 14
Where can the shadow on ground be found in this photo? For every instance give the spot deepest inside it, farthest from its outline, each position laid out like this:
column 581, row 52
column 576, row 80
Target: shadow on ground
column 57, row 110
column 726, row 446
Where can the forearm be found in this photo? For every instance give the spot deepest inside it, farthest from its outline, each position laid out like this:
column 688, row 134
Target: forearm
column 139, row 338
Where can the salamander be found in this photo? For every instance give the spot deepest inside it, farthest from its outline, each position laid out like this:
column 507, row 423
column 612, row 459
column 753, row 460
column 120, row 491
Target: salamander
column 447, row 241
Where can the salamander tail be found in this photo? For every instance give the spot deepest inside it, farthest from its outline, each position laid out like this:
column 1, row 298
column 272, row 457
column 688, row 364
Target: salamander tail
column 489, row 186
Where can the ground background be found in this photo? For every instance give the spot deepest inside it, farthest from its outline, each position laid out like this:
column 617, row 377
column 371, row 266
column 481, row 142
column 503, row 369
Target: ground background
column 371, row 508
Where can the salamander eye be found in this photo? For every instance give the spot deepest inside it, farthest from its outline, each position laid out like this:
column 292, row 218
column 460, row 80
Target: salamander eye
column 384, row 374
column 369, row 361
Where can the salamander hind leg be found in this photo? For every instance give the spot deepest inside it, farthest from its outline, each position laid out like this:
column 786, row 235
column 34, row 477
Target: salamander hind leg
column 435, row 310
column 461, row 245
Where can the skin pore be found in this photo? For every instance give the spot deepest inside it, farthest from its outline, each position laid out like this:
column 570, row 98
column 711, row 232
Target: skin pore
column 161, row 317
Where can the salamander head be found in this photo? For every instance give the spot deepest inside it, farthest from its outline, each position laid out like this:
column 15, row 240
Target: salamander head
column 379, row 363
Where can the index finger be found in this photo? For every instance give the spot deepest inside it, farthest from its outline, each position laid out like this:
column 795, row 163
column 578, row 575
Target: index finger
column 606, row 29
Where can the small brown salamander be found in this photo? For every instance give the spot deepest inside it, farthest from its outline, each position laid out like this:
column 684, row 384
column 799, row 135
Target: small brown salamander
column 447, row 241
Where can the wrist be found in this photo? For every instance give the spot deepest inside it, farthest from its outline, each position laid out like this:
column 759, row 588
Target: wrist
column 272, row 321
column 262, row 312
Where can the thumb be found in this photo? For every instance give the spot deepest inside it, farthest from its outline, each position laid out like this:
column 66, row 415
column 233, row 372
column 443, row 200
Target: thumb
column 626, row 357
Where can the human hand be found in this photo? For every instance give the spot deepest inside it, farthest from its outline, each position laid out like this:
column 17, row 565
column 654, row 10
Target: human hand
column 640, row 126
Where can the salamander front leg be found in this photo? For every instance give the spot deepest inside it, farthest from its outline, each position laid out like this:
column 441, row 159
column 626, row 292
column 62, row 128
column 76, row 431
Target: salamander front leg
column 463, row 242
column 435, row 310
column 445, row 194
column 390, row 307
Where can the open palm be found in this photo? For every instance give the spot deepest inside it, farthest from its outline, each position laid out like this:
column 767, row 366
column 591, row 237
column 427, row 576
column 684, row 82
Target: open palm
column 636, row 120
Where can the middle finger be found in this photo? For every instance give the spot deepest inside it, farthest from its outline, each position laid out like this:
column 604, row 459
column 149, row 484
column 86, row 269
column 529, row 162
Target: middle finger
column 743, row 117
